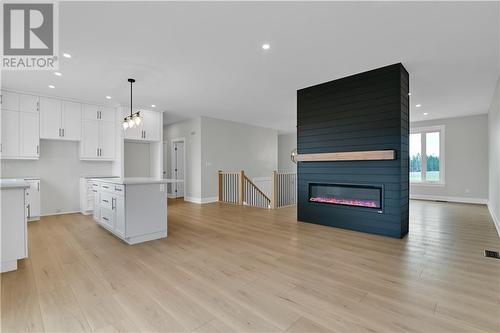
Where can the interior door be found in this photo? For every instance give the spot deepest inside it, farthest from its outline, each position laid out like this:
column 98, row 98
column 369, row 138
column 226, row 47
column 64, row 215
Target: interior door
column 72, row 120
column 107, row 140
column 50, row 118
column 10, row 133
column 178, row 168
column 90, row 141
column 30, row 135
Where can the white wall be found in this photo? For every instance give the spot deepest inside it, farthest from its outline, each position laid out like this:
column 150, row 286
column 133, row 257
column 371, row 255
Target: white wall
column 494, row 150
column 59, row 168
column 466, row 160
column 190, row 130
column 286, row 143
column 137, row 159
column 232, row 146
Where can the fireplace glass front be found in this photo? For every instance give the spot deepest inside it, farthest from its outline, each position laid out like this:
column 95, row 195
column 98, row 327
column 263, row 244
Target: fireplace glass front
column 346, row 195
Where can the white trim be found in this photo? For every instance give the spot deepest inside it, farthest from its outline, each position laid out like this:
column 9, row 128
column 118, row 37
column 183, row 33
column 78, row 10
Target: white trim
column 496, row 220
column 442, row 157
column 199, row 200
column 61, row 213
column 171, row 196
column 479, row 201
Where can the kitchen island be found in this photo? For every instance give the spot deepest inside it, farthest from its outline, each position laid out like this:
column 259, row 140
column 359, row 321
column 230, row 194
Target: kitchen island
column 13, row 223
column 133, row 209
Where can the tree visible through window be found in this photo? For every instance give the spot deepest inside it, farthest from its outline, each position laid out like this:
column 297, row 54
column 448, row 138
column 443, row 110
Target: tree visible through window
column 426, row 155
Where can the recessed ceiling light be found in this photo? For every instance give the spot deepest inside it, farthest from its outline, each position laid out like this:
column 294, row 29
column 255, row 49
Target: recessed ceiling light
column 418, row 105
column 108, row 97
column 66, row 55
column 153, row 106
column 409, row 94
column 426, row 113
column 51, row 86
column 266, row 46
column 57, row 73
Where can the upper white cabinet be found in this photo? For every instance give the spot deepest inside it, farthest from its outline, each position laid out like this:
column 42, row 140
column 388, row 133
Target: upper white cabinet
column 9, row 147
column 71, row 120
column 61, row 120
column 10, row 101
column 20, row 137
column 29, row 103
column 148, row 130
column 98, row 133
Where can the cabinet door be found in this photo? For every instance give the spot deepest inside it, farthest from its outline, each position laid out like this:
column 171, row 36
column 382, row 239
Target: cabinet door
column 90, row 139
column 10, row 134
column 28, row 103
column 91, row 112
column 50, row 118
column 30, row 135
column 10, row 101
column 72, row 120
column 151, row 125
column 119, row 210
column 107, row 114
column 97, row 208
column 33, row 198
column 107, row 144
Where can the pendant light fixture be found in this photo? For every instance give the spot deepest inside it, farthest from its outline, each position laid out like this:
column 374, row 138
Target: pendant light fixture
column 134, row 119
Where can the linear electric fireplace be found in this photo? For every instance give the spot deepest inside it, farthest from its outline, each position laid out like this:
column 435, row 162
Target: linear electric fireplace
column 347, row 195
column 352, row 152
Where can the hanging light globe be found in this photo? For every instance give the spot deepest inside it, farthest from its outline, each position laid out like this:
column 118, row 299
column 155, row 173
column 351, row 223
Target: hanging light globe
column 137, row 118
column 131, row 123
column 125, row 124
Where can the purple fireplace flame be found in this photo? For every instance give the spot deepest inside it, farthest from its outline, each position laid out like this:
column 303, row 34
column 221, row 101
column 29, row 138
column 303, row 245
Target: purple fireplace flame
column 368, row 196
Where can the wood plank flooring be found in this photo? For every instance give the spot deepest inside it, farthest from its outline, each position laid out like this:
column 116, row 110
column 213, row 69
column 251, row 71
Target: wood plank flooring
column 227, row 268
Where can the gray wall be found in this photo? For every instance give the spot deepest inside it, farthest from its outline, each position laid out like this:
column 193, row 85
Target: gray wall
column 190, row 130
column 494, row 147
column 59, row 168
column 231, row 146
column 466, row 159
column 137, row 159
column 286, row 143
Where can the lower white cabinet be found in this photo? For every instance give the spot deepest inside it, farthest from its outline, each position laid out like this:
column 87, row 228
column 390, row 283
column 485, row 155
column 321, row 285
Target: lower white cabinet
column 33, row 199
column 135, row 212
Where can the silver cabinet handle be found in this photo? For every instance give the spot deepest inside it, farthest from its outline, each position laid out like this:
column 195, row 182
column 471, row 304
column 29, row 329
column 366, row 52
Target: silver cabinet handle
column 97, row 152
column 37, row 149
column 105, row 218
column 113, row 204
column 63, row 131
column 118, row 189
column 105, row 200
column 29, row 210
column 104, row 186
column 38, row 186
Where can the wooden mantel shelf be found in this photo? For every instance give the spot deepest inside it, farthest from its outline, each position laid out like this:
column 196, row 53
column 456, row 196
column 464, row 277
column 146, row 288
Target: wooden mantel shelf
column 371, row 155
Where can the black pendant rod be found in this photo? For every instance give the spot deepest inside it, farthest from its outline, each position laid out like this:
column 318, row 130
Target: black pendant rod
column 131, row 82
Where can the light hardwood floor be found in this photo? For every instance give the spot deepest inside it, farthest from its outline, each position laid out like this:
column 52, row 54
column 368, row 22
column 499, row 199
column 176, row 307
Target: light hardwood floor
column 229, row 268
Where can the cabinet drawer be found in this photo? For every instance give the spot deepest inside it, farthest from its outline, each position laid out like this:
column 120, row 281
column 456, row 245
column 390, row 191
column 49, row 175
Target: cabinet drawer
column 119, row 189
column 106, row 200
column 106, row 187
column 107, row 217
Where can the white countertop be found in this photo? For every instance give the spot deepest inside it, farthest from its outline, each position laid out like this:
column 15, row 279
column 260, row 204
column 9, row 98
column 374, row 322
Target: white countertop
column 13, row 183
column 137, row 180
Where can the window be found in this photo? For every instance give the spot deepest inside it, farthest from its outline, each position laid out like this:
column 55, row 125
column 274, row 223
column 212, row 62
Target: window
column 427, row 155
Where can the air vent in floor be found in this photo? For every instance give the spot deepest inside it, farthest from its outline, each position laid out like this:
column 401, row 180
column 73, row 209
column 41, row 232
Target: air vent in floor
column 491, row 254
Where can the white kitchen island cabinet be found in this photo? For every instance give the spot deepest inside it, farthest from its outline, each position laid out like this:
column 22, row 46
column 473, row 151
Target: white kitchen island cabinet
column 133, row 209
column 13, row 227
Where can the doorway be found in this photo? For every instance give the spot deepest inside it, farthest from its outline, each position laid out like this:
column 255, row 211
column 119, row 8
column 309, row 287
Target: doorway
column 178, row 167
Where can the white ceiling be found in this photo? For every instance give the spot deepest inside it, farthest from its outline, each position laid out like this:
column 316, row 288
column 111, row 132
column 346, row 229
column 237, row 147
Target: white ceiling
column 202, row 58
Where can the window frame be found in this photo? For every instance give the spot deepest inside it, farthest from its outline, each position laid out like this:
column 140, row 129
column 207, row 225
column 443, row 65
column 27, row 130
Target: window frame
column 423, row 145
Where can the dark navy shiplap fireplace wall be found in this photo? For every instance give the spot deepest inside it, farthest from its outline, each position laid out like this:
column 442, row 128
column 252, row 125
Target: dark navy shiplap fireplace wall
column 363, row 112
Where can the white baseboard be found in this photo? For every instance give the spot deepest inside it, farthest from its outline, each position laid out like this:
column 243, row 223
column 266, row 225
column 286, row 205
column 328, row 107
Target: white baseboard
column 61, row 213
column 479, row 201
column 495, row 218
column 171, row 196
column 199, row 200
